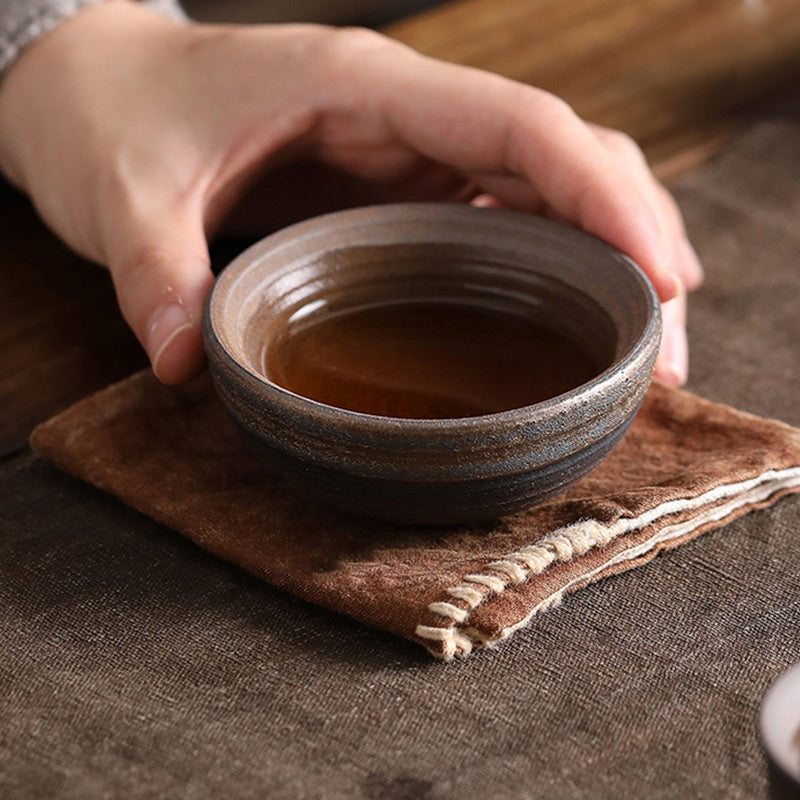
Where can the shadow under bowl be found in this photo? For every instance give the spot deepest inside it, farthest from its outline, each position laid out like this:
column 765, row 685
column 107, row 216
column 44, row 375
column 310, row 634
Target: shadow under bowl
column 435, row 471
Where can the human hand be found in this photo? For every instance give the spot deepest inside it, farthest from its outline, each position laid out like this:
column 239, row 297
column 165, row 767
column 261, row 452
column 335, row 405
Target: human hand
column 136, row 136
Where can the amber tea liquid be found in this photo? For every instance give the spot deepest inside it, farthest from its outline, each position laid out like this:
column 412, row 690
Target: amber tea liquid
column 425, row 360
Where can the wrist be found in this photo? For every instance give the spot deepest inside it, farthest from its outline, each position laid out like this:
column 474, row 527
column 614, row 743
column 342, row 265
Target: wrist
column 47, row 75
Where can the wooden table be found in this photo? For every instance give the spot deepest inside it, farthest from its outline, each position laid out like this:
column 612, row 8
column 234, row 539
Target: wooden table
column 678, row 75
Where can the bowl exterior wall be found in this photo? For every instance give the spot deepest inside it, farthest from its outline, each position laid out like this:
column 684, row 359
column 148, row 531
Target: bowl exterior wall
column 432, row 471
column 443, row 503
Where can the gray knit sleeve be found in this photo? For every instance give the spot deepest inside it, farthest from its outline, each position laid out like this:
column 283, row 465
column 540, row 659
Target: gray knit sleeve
column 24, row 21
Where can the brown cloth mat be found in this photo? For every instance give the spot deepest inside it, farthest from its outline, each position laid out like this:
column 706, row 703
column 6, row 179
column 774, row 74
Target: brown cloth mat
column 686, row 466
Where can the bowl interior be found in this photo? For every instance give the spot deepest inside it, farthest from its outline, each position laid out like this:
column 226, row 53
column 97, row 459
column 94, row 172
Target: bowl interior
column 508, row 263
column 378, row 280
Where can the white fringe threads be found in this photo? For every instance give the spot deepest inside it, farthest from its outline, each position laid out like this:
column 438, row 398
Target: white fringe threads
column 575, row 540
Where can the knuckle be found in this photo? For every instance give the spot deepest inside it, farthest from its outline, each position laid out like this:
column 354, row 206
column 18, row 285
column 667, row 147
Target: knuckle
column 142, row 277
column 532, row 111
column 671, row 208
column 148, row 261
column 665, row 196
column 350, row 44
column 356, row 36
column 354, row 61
column 355, row 53
column 144, row 270
column 537, row 104
column 622, row 145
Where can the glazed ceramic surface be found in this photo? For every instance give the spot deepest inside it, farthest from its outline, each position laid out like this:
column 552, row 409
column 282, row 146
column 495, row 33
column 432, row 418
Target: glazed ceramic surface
column 441, row 471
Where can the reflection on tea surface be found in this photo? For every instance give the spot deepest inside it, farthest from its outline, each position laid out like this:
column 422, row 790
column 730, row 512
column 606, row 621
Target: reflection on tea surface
column 424, row 359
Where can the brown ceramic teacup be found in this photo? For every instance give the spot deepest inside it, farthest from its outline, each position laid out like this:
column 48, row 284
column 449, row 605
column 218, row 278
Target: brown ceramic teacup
column 448, row 469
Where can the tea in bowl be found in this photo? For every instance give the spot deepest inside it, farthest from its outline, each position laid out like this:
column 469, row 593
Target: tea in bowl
column 432, row 363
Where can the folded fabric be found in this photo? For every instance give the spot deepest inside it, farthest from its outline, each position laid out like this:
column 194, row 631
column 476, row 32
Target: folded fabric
column 685, row 467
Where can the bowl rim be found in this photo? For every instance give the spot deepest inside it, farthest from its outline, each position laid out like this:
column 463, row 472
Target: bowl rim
column 558, row 407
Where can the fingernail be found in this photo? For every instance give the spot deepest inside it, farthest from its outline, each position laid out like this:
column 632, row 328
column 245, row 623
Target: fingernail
column 666, row 282
column 485, row 201
column 660, row 249
column 675, row 356
column 672, row 377
column 691, row 264
column 166, row 323
column 676, row 285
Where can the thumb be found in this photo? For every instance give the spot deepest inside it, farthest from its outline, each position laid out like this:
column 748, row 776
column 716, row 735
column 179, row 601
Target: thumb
column 162, row 275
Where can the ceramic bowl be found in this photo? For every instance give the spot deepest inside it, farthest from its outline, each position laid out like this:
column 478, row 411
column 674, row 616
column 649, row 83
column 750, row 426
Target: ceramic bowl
column 436, row 471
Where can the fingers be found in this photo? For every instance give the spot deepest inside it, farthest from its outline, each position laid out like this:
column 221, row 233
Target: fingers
column 162, row 276
column 485, row 125
column 673, row 359
column 685, row 259
column 672, row 363
column 632, row 162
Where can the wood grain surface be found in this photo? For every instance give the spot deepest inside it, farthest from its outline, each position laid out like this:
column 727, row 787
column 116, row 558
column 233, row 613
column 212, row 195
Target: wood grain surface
column 678, row 75
column 61, row 333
